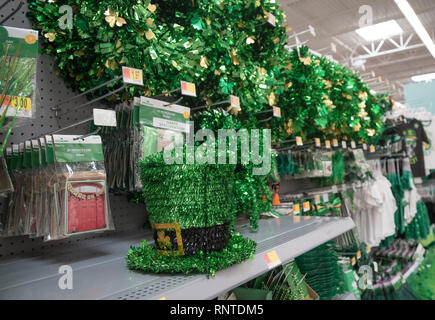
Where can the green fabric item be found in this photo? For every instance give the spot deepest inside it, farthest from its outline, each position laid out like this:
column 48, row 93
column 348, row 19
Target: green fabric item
column 423, row 281
column 419, row 228
column 322, row 270
column 146, row 258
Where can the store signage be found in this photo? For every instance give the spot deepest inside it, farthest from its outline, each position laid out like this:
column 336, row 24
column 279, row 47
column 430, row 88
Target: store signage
column 188, row 89
column 132, row 76
column 272, row 259
column 235, row 102
column 328, row 144
column 306, row 206
column 105, row 118
column 277, row 112
column 317, row 142
column 299, row 141
column 271, row 19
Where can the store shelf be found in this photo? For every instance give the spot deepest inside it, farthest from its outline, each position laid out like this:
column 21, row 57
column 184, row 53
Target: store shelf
column 100, row 271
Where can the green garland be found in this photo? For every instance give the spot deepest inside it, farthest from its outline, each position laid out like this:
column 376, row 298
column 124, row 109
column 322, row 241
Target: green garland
column 224, row 47
column 193, row 195
column 146, row 258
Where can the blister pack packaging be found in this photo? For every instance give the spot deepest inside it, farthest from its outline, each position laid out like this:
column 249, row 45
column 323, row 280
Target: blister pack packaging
column 80, row 190
column 18, row 57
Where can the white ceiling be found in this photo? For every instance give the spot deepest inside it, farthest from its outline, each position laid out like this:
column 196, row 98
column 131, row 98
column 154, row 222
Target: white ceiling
column 336, row 21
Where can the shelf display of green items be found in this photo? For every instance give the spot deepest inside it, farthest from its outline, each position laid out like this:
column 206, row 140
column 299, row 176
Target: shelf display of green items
column 282, row 283
column 192, row 212
column 322, row 270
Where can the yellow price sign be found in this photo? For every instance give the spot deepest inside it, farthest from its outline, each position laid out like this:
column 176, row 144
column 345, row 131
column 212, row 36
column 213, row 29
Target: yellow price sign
column 335, row 143
column 317, row 142
column 328, row 144
column 296, row 209
column 272, row 259
column 358, row 255
column 299, row 141
column 133, row 76
column 14, row 102
column 368, row 249
column 372, row 149
column 353, row 261
column 306, row 206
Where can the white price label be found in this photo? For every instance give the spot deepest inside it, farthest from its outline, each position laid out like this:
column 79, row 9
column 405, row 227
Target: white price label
column 353, row 144
column 105, row 118
column 344, row 144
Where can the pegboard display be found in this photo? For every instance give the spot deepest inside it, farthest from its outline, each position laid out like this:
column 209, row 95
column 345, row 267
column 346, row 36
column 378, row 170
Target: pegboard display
column 51, row 90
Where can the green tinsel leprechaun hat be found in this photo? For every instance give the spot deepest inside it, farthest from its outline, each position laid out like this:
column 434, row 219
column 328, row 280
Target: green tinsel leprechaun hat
column 192, row 212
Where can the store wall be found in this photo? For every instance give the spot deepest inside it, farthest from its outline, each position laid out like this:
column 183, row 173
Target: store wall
column 421, row 95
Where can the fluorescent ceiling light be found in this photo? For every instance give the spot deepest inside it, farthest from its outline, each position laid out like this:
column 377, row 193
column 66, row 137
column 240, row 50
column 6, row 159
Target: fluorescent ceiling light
column 379, row 31
column 424, row 77
column 415, row 22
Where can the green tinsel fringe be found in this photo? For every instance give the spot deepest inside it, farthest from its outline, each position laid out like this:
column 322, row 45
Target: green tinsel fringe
column 146, row 258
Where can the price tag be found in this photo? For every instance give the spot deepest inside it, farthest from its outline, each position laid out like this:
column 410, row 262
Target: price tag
column 133, row 76
column 317, row 142
column 317, row 199
column 296, row 208
column 372, row 149
column 235, row 102
column 335, row 143
column 277, row 112
column 272, row 259
column 271, row 19
column 299, row 141
column 353, row 144
column 368, row 249
column 353, row 261
column 344, row 144
column 106, row 118
column 358, row 255
column 328, row 144
column 325, row 197
column 334, row 189
column 14, row 102
column 306, row 206
column 188, row 89
column 365, row 146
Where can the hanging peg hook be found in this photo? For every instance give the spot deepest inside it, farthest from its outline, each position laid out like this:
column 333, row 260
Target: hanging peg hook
column 87, row 135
